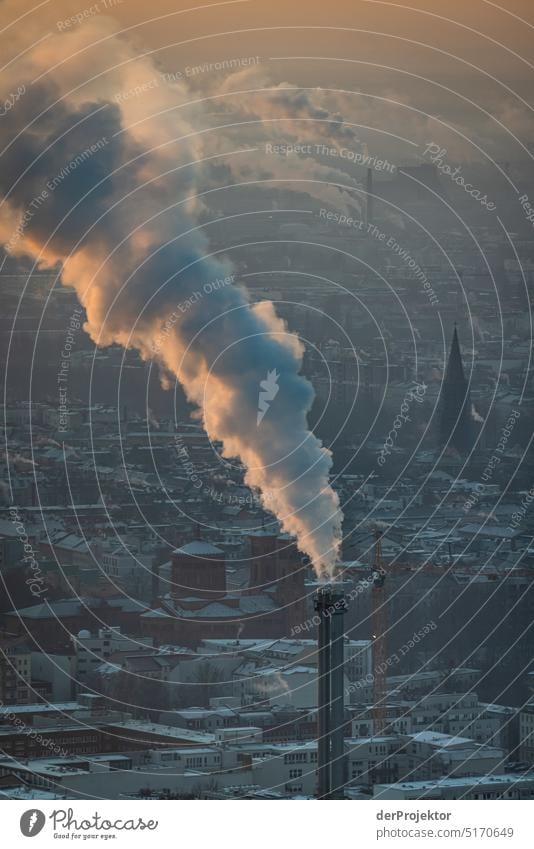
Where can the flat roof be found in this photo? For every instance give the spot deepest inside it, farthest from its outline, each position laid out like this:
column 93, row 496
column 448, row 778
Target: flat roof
column 458, row 782
column 164, row 730
column 198, row 548
column 442, row 740
column 40, row 707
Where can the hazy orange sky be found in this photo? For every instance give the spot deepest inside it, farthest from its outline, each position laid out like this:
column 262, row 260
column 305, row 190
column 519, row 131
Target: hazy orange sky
column 376, row 31
column 464, row 61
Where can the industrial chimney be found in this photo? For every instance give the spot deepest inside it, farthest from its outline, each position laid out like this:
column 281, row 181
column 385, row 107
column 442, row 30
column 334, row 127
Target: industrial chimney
column 369, row 199
column 330, row 606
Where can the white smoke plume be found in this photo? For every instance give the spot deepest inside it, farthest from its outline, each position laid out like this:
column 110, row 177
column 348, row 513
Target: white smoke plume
column 288, row 112
column 271, row 683
column 105, row 189
column 475, row 415
column 18, row 461
column 477, row 327
column 378, row 525
column 47, row 440
column 151, row 419
column 289, row 109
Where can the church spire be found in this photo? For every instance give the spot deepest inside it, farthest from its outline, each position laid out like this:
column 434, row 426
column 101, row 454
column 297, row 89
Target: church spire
column 455, row 367
column 455, row 414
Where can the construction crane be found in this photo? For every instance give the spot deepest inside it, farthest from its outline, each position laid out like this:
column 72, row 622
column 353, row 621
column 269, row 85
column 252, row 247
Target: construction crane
column 379, row 626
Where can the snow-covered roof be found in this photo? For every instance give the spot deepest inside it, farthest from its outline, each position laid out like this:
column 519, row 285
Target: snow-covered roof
column 199, row 548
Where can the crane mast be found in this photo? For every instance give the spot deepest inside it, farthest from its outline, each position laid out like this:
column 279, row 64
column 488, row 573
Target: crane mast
column 379, row 626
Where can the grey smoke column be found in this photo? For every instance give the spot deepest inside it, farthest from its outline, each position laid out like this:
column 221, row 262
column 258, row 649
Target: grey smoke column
column 330, row 606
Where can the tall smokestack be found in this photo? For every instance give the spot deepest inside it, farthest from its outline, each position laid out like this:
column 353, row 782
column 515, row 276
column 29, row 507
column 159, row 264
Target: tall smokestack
column 331, row 606
column 369, row 201
column 155, row 582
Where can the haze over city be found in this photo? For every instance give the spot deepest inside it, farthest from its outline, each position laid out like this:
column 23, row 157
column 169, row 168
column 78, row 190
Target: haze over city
column 266, row 503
